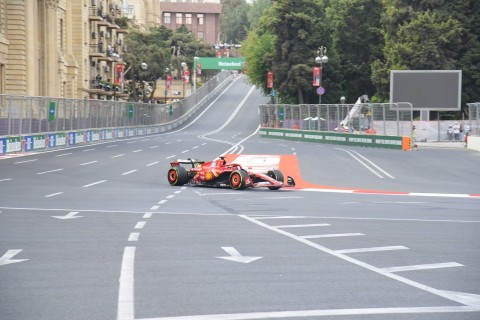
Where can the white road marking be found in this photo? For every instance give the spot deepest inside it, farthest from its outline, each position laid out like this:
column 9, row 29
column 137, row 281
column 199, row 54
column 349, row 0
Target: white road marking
column 140, row 225
column 304, row 225
column 195, row 147
column 93, row 184
column 146, row 140
column 153, row 147
column 70, row 215
column 126, row 299
column 178, row 191
column 134, row 236
column 184, row 151
column 139, row 150
column 19, row 162
column 170, row 157
column 112, row 145
column 7, row 257
column 457, row 297
column 204, row 143
column 56, row 170
column 333, row 235
column 168, row 142
column 162, row 201
column 281, row 217
column 423, row 267
column 170, row 196
column 128, row 172
column 118, row 155
column 147, row 215
column 87, row 150
column 236, row 256
column 130, row 142
column 87, row 163
column 322, row 313
column 63, row 155
column 7, row 179
column 152, row 164
column 154, row 208
column 53, row 194
column 373, row 249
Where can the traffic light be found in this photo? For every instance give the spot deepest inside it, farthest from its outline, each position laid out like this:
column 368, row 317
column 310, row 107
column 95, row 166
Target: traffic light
column 51, row 111
column 130, row 110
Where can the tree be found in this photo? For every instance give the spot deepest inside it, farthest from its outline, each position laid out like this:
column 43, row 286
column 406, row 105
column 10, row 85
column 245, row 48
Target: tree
column 356, row 42
column 234, row 21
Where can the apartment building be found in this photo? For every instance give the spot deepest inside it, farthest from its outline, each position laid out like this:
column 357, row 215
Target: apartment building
column 65, row 48
column 201, row 17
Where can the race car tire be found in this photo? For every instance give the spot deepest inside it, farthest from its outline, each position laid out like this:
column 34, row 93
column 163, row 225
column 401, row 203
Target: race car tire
column 177, row 176
column 277, row 175
column 237, row 179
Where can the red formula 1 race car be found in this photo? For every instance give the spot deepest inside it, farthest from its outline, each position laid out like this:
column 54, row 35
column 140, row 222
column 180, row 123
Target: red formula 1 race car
column 218, row 173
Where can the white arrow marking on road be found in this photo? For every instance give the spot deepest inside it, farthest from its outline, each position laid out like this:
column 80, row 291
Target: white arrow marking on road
column 236, row 256
column 70, row 215
column 6, row 258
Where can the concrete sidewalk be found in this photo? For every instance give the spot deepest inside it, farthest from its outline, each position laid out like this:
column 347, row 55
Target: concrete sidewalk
column 442, row 145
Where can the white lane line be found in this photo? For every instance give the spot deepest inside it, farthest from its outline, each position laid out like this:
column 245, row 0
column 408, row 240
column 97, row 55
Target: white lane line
column 146, row 140
column 118, row 155
column 332, row 235
column 147, row 215
column 19, row 162
column 126, row 299
column 162, row 201
column 185, row 151
column 195, row 147
column 423, row 267
column 373, row 249
column 134, row 236
column 170, row 157
column 373, row 164
column 153, row 147
column 112, row 145
column 53, row 194
column 178, row 191
column 363, row 163
column 49, row 171
column 87, row 163
column 183, row 188
column 63, row 155
column 128, row 172
column 282, row 217
column 87, row 150
column 168, row 142
column 304, row 225
column 140, row 225
column 130, row 142
column 321, row 313
column 170, row 196
column 139, row 150
column 7, row 179
column 152, row 164
column 93, row 184
column 154, row 208
column 204, row 143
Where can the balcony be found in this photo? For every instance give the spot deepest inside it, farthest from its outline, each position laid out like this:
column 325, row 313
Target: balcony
column 95, row 14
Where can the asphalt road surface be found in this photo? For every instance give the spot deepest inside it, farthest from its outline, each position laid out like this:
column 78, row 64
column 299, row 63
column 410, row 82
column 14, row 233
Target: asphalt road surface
column 96, row 232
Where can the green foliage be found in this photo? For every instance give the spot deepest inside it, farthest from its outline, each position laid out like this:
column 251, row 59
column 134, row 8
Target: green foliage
column 366, row 39
column 234, row 22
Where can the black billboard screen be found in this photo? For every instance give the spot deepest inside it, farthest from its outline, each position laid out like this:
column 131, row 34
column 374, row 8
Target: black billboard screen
column 436, row 90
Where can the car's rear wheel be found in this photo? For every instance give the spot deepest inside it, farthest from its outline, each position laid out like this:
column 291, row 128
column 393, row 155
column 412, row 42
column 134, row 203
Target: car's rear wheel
column 237, row 179
column 277, row 175
column 177, row 176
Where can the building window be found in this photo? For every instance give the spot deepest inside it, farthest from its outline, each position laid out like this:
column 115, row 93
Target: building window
column 200, row 35
column 178, row 18
column 188, row 18
column 167, row 18
column 199, row 18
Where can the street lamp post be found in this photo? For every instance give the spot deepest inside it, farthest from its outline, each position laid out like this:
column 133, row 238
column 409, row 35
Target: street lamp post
column 321, row 59
column 184, row 67
column 143, row 66
column 195, row 59
column 167, row 70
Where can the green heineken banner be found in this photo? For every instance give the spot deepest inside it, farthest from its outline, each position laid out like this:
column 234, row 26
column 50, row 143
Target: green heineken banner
column 221, row 63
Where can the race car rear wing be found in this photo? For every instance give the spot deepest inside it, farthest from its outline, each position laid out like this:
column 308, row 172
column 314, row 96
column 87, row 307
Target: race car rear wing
column 193, row 162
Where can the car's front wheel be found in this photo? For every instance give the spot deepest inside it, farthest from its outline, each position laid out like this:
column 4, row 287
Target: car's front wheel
column 277, row 175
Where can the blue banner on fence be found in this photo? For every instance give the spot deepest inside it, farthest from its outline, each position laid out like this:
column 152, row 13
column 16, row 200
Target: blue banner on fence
column 88, row 135
column 28, row 143
column 52, row 140
column 71, row 138
column 3, row 145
